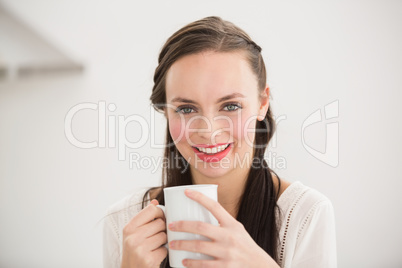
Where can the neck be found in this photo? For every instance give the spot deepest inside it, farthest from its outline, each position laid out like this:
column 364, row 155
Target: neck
column 230, row 187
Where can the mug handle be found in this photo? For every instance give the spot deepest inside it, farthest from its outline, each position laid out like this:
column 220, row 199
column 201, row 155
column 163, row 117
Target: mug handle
column 164, row 212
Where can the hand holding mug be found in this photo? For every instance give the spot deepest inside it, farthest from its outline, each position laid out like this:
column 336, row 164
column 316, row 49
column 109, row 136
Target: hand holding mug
column 143, row 239
column 179, row 207
column 230, row 244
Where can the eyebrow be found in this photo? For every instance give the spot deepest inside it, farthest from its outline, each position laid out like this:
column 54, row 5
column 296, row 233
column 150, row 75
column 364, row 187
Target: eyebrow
column 227, row 97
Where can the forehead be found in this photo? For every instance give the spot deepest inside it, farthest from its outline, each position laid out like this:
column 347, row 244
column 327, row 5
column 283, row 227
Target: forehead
column 209, row 75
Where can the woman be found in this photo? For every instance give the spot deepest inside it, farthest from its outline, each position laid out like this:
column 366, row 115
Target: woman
column 211, row 86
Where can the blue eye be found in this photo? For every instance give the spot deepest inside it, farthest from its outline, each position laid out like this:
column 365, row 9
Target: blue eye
column 184, row 110
column 232, row 107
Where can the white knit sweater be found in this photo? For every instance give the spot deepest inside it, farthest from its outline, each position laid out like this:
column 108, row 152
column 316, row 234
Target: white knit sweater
column 307, row 228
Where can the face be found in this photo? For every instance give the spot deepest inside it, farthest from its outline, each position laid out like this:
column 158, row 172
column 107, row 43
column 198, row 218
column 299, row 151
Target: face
column 213, row 103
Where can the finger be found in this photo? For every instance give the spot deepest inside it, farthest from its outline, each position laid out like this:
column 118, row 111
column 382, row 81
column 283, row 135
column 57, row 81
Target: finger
column 161, row 214
column 201, row 263
column 160, row 254
column 214, row 207
column 199, row 246
column 156, row 241
column 151, row 228
column 149, row 213
column 197, row 227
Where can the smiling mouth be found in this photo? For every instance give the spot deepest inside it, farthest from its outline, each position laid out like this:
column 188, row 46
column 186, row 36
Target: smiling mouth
column 212, row 154
column 213, row 150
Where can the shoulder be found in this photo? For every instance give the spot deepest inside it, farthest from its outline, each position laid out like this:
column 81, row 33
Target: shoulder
column 299, row 196
column 306, row 220
column 120, row 212
column 129, row 201
column 300, row 203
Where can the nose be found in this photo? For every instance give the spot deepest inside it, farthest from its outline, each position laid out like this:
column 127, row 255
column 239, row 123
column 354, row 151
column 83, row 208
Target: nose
column 208, row 128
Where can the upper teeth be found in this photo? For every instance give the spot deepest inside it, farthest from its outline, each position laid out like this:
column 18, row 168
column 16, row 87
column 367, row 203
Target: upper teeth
column 213, row 150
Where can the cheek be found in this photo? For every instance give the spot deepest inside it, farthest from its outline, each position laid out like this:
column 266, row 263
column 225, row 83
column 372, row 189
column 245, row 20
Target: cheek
column 175, row 128
column 246, row 131
column 178, row 130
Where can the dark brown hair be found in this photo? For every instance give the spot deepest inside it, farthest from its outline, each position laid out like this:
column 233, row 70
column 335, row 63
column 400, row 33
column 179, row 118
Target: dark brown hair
column 258, row 202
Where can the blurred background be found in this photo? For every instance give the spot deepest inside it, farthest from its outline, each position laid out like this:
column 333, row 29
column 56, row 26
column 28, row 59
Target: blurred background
column 77, row 74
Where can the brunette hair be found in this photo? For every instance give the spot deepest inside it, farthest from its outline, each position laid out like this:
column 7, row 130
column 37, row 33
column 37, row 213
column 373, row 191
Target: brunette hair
column 258, row 202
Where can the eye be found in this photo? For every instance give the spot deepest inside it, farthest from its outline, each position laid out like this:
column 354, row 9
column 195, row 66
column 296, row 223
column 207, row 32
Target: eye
column 184, row 110
column 232, row 107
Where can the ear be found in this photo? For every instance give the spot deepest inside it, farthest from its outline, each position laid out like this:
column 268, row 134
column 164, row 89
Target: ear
column 264, row 99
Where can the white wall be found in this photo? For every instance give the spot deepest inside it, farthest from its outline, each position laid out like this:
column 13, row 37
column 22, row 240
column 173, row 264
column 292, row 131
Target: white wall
column 53, row 195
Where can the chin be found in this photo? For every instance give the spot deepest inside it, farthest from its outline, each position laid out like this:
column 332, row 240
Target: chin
column 211, row 170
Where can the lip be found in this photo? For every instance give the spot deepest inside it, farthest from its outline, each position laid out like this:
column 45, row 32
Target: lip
column 214, row 157
column 209, row 146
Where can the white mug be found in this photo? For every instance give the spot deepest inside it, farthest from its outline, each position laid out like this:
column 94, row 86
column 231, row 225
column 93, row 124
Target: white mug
column 178, row 207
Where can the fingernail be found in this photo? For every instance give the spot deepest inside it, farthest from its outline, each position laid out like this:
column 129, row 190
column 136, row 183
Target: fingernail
column 189, row 192
column 172, row 244
column 184, row 262
column 154, row 202
column 171, row 226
